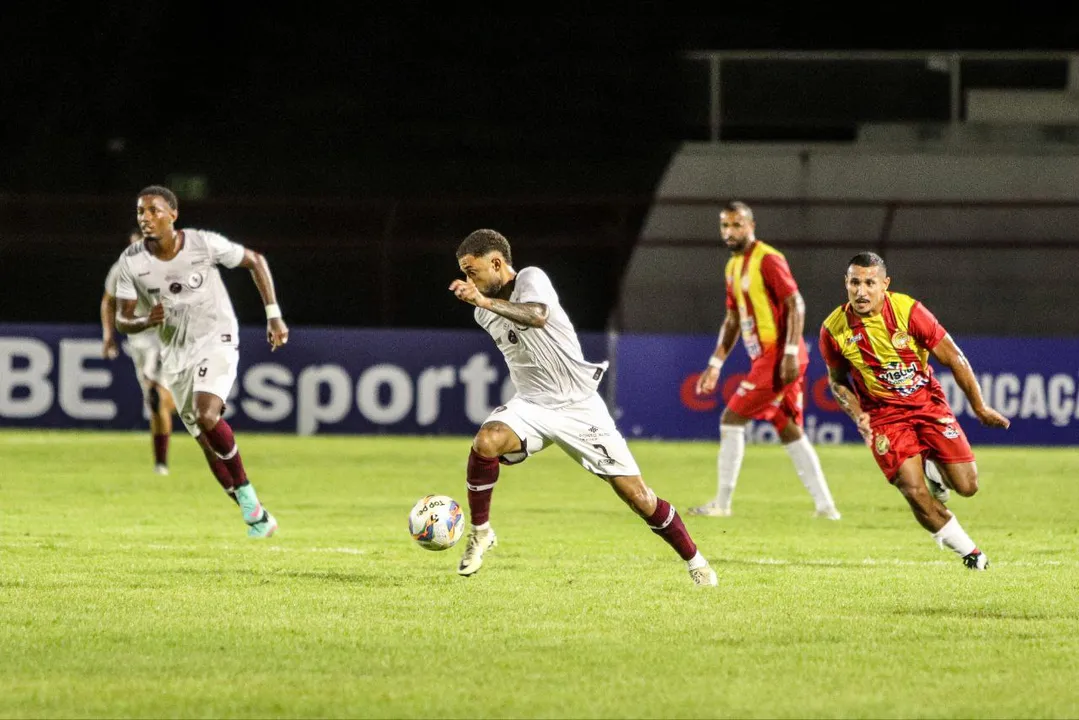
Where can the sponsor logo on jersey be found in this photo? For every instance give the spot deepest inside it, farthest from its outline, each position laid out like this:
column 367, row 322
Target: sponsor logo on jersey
column 951, row 432
column 854, row 338
column 905, row 380
column 194, row 281
column 512, row 337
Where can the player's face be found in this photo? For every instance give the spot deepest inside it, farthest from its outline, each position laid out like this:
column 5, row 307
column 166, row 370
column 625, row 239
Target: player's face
column 485, row 272
column 865, row 288
column 736, row 229
column 154, row 216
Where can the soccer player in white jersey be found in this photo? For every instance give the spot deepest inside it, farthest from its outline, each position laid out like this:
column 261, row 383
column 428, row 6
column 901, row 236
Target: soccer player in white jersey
column 174, row 273
column 556, row 400
column 145, row 351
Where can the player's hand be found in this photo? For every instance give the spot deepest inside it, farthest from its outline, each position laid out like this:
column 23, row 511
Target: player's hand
column 156, row 316
column 466, row 291
column 788, row 369
column 706, row 381
column 862, row 421
column 110, row 349
column 276, row 333
column 991, row 418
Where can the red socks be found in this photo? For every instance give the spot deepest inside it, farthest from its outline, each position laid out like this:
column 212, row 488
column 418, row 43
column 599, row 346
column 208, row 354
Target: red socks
column 481, row 479
column 666, row 523
column 224, row 444
column 161, row 449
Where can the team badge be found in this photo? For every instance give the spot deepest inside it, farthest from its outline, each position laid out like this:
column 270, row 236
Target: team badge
column 900, row 339
column 882, row 445
column 175, row 288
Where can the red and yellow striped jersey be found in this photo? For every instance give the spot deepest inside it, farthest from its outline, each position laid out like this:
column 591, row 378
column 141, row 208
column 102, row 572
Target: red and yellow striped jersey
column 758, row 282
column 886, row 354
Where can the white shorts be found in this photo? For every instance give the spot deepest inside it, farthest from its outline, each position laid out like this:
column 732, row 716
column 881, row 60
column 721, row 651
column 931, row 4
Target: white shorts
column 585, row 431
column 214, row 373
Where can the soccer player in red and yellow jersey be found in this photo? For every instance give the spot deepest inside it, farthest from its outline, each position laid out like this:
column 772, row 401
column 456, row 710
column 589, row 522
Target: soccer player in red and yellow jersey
column 877, row 346
column 763, row 303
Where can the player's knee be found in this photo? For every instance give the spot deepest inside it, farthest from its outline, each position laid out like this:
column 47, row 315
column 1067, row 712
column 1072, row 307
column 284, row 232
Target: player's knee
column 206, row 418
column 491, row 442
column 967, row 484
column 914, row 492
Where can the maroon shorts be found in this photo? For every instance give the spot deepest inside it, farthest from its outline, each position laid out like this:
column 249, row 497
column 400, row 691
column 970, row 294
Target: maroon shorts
column 930, row 431
column 761, row 397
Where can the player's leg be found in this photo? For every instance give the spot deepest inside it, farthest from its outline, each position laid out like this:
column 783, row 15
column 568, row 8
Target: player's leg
column 788, row 423
column 933, row 516
column 218, row 435
column 213, row 379
column 664, row 520
column 508, row 436
column 587, row 433
column 950, row 458
column 147, row 362
column 159, row 403
column 180, row 387
column 746, row 402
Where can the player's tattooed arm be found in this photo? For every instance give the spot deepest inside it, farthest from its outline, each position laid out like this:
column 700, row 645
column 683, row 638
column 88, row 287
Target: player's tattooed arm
column 841, row 391
column 530, row 314
column 844, row 395
column 947, row 353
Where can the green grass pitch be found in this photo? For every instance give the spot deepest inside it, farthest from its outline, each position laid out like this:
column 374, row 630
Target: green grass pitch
column 125, row 594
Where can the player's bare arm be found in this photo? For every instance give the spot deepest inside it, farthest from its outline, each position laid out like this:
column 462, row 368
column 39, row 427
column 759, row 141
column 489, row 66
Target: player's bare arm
column 796, row 318
column 947, row 353
column 128, row 323
column 848, row 401
column 529, row 314
column 728, row 336
column 276, row 329
column 110, row 348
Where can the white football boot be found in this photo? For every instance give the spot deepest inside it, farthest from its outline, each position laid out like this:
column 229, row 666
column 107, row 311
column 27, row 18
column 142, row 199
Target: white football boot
column 479, row 542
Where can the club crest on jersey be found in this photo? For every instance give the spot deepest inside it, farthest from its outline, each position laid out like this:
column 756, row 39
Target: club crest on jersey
column 175, row 288
column 512, row 337
column 882, row 445
column 900, row 340
column 194, row 280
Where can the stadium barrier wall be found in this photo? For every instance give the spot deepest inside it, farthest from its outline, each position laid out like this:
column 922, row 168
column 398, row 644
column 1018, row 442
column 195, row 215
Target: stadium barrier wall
column 433, row 382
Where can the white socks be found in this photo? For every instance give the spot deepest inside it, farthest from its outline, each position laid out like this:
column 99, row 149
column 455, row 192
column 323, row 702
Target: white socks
column 697, row 561
column 955, row 537
column 732, row 448
column 807, row 465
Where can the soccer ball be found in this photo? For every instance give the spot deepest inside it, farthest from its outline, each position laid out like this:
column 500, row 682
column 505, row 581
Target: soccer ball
column 436, row 522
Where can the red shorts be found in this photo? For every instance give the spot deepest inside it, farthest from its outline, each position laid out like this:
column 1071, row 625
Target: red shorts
column 930, row 431
column 761, row 396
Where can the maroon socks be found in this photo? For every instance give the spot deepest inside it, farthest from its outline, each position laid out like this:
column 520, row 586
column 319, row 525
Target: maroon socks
column 482, row 476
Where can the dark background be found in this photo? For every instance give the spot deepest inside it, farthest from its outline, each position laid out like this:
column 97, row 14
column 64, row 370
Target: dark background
column 356, row 149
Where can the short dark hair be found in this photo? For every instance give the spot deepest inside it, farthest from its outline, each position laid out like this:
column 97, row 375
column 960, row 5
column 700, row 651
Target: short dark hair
column 738, row 206
column 868, row 260
column 161, row 191
column 480, row 242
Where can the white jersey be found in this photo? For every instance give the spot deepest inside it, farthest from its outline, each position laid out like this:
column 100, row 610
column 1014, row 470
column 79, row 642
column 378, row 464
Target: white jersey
column 139, row 341
column 198, row 311
column 546, row 364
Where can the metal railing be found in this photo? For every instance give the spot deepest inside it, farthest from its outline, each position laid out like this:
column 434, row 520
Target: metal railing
column 951, row 62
